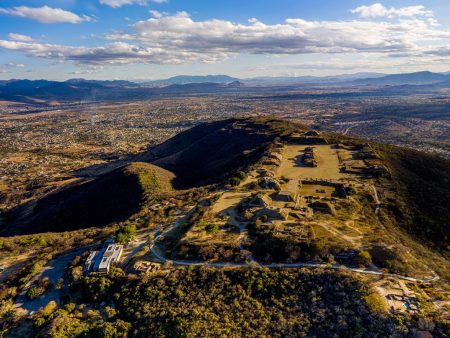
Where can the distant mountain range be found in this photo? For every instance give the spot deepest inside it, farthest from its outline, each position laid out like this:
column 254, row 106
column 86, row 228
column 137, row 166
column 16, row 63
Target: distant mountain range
column 92, row 90
column 286, row 80
column 419, row 78
column 41, row 91
column 186, row 79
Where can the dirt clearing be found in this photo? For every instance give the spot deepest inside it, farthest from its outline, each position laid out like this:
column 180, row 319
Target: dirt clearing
column 327, row 163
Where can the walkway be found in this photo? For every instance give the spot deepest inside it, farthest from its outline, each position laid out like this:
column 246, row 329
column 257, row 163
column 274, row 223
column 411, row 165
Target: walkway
column 154, row 249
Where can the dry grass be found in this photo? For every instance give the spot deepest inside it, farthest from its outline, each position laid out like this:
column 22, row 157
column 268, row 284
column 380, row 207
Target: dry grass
column 327, row 163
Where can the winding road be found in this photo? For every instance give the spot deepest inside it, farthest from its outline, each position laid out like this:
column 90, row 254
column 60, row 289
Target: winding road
column 55, row 269
column 154, row 249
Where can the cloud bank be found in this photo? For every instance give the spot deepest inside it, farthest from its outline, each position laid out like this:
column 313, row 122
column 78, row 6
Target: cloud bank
column 378, row 10
column 19, row 37
column 45, row 14
column 120, row 3
column 179, row 39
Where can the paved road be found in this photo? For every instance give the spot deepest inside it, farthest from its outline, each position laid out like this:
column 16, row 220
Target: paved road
column 54, row 271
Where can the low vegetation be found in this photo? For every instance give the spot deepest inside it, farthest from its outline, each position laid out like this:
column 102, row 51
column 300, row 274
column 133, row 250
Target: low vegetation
column 245, row 301
column 422, row 184
column 234, row 302
column 125, row 234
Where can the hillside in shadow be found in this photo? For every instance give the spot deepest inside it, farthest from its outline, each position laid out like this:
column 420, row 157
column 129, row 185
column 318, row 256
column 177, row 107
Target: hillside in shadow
column 112, row 197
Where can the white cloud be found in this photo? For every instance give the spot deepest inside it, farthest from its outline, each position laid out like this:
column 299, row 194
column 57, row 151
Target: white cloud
column 45, row 14
column 178, row 39
column 180, row 32
column 14, row 65
column 120, row 3
column 6, row 68
column 378, row 10
column 155, row 13
column 19, row 37
column 88, row 69
column 113, row 53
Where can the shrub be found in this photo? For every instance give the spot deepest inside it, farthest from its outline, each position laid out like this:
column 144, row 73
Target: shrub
column 35, row 292
column 59, row 284
column 364, row 258
column 8, row 314
column 45, row 283
column 234, row 181
column 125, row 234
column 49, row 308
column 212, row 228
column 241, row 175
column 376, row 302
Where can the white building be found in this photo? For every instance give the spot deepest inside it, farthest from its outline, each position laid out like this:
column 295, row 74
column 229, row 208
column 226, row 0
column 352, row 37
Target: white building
column 90, row 261
column 100, row 261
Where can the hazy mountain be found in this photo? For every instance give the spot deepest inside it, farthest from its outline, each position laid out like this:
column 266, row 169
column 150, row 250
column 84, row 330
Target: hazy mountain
column 82, row 90
column 114, row 83
column 186, row 79
column 418, row 78
column 287, row 80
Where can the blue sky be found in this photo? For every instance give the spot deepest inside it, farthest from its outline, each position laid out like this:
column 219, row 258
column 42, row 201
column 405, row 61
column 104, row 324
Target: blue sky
column 150, row 39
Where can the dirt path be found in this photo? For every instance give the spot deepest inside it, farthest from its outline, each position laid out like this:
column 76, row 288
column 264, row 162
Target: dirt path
column 354, row 241
column 154, row 249
column 134, row 247
column 351, row 225
column 12, row 263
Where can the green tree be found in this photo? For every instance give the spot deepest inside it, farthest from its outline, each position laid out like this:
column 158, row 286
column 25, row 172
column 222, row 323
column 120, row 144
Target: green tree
column 125, row 234
column 241, row 175
column 212, row 228
column 33, row 292
column 376, row 302
column 234, row 181
column 364, row 258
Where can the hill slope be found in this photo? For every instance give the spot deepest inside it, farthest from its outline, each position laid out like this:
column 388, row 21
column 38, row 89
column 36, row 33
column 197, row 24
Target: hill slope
column 112, row 197
column 210, row 152
column 417, row 191
column 204, row 154
column 422, row 183
column 213, row 152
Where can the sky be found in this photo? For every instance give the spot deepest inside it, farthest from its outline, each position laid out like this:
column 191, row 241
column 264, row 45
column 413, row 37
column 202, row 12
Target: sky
column 152, row 39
